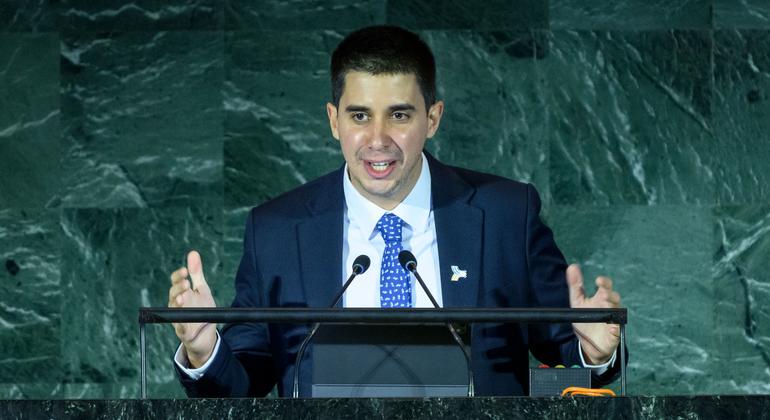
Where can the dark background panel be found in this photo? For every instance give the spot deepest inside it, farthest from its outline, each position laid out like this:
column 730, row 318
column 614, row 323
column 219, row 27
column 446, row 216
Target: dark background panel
column 459, row 14
column 630, row 117
column 295, row 15
column 632, row 14
column 30, row 297
column 741, row 246
column 277, row 134
column 743, row 14
column 142, row 119
column 494, row 115
column 138, row 15
column 29, row 121
column 742, row 116
column 26, row 16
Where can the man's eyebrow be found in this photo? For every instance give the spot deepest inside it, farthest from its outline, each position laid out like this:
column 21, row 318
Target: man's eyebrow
column 357, row 108
column 401, row 107
column 391, row 109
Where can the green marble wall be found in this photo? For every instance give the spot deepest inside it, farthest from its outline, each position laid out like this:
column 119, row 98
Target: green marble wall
column 131, row 132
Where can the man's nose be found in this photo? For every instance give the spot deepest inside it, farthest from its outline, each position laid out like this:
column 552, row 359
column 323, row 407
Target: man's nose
column 380, row 135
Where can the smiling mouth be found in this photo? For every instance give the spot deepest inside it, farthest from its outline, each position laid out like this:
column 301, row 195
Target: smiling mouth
column 380, row 169
column 381, row 166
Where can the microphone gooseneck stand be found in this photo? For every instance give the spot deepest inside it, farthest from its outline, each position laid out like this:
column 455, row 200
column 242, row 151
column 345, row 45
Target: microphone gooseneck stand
column 360, row 265
column 409, row 262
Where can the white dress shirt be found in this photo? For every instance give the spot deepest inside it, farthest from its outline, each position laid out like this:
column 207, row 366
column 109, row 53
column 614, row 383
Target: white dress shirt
column 417, row 235
column 360, row 236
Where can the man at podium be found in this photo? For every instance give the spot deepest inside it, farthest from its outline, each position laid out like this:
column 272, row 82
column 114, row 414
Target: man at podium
column 478, row 238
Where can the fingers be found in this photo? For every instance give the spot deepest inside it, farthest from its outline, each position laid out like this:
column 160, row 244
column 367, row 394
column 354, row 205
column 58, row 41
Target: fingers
column 605, row 296
column 614, row 298
column 575, row 285
column 179, row 285
column 193, row 293
column 195, row 267
column 179, row 275
column 604, row 282
column 176, row 292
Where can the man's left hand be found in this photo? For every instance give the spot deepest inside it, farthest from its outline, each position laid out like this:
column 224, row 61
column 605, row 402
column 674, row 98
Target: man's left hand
column 599, row 340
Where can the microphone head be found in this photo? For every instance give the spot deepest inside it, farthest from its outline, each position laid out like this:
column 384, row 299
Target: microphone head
column 361, row 264
column 407, row 260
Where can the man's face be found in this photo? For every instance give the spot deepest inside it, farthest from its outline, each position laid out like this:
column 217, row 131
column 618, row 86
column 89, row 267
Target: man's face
column 382, row 125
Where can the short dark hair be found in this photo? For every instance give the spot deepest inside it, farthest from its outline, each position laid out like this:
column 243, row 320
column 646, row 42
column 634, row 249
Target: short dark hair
column 384, row 49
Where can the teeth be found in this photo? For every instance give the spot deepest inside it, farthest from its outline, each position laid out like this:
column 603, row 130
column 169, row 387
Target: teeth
column 380, row 166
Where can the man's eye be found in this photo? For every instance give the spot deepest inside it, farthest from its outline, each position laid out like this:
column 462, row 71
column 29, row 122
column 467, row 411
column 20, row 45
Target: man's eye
column 360, row 116
column 400, row 116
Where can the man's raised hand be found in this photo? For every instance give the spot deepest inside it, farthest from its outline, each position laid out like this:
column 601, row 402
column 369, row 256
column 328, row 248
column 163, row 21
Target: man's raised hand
column 597, row 340
column 198, row 338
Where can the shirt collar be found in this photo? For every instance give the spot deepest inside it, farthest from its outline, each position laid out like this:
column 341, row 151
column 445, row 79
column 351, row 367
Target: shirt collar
column 414, row 210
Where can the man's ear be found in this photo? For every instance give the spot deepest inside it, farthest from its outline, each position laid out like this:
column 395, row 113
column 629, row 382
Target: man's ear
column 331, row 112
column 434, row 117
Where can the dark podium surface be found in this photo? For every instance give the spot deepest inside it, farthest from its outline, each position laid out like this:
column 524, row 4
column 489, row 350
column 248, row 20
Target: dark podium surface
column 690, row 407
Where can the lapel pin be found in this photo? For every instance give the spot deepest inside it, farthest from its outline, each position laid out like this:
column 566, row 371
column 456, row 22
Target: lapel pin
column 458, row 274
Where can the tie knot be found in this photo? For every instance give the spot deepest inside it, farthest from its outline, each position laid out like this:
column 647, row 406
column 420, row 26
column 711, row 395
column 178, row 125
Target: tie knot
column 389, row 227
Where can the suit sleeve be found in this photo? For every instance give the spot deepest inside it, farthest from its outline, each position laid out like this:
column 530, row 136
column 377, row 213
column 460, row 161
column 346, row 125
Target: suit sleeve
column 552, row 344
column 243, row 366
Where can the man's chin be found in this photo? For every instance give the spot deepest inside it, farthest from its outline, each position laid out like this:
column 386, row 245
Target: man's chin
column 385, row 194
column 380, row 191
column 381, row 188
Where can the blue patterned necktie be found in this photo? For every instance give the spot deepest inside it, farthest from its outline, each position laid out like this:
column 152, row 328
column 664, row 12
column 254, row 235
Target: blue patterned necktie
column 395, row 285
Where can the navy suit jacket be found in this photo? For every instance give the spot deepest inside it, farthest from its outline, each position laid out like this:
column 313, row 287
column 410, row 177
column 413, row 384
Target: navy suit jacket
column 486, row 224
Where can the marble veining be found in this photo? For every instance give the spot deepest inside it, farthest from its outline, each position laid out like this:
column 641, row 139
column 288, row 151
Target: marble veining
column 140, row 15
column 631, row 125
column 131, row 132
column 448, row 408
column 631, row 14
column 177, row 158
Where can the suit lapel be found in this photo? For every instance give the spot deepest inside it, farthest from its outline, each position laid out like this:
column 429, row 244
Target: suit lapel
column 459, row 228
column 459, row 234
column 320, row 242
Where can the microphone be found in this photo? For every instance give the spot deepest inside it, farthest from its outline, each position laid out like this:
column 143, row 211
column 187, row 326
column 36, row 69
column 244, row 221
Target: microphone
column 407, row 260
column 360, row 265
column 409, row 263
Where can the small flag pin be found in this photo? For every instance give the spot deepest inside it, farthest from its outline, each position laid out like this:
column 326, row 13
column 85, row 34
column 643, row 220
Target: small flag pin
column 458, row 274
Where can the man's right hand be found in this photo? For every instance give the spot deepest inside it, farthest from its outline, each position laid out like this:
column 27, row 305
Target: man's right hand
column 198, row 339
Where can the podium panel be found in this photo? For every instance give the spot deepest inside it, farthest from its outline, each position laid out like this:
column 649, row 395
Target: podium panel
column 353, row 360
